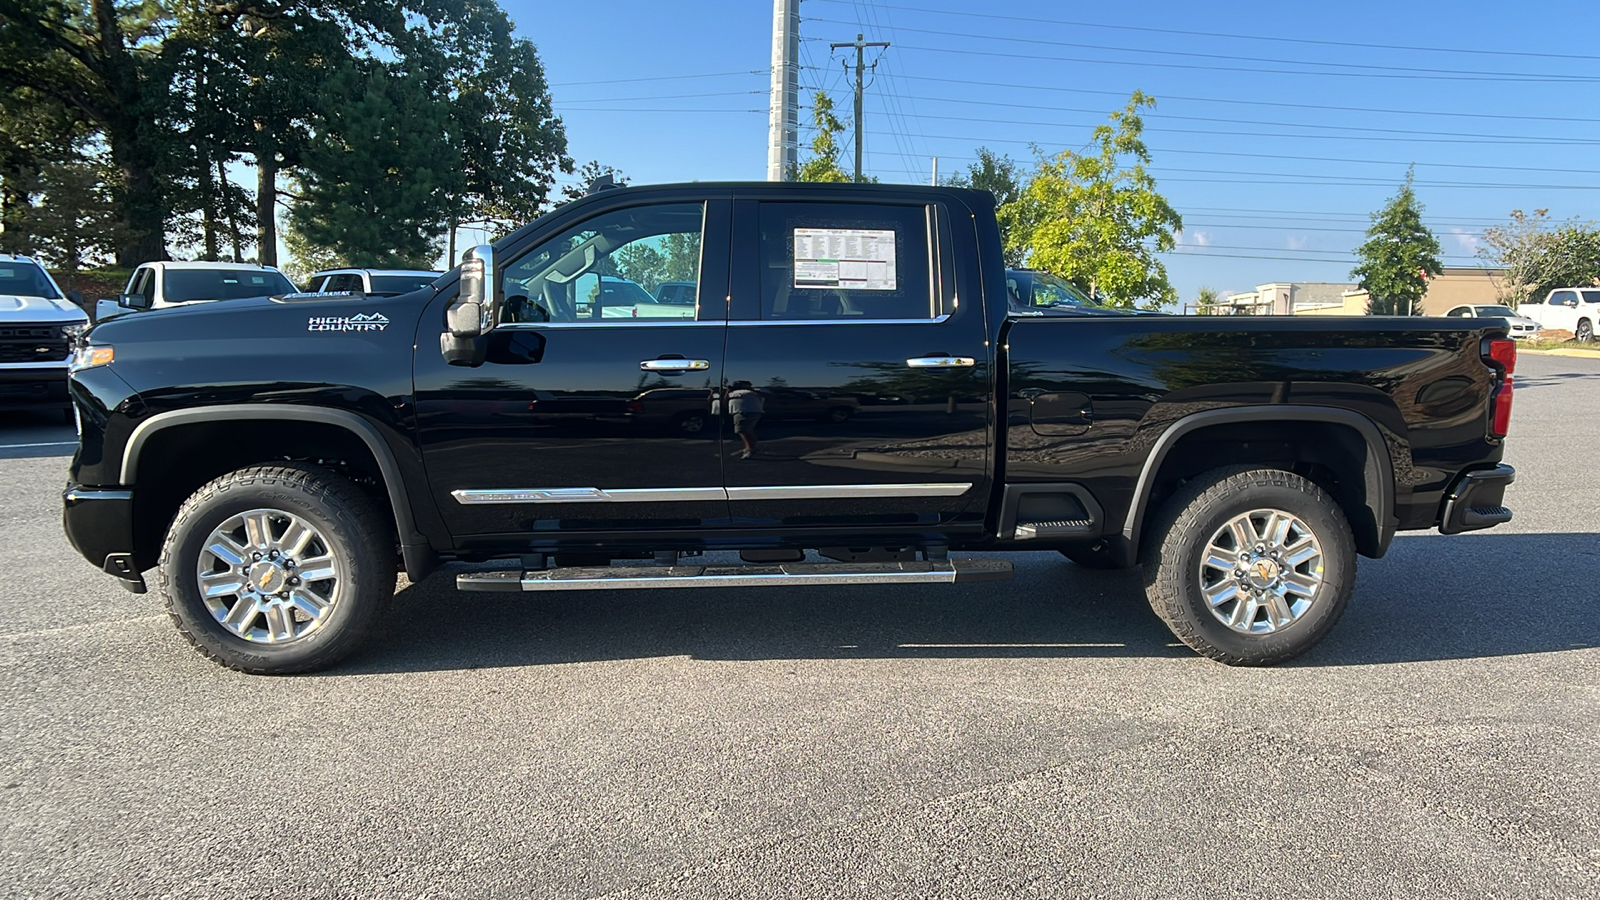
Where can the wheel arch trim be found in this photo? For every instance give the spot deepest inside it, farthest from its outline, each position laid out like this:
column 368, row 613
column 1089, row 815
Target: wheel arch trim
column 1377, row 468
column 414, row 545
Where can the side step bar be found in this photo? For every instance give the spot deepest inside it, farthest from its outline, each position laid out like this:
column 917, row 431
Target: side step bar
column 612, row 578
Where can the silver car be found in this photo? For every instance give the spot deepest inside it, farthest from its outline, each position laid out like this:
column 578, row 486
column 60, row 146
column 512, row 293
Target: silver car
column 1522, row 327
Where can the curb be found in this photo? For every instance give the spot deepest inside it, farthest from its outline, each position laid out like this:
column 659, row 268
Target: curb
column 1580, row 354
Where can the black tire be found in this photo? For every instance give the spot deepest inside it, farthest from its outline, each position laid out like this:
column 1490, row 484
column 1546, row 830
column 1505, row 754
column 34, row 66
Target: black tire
column 1091, row 556
column 838, row 414
column 349, row 527
column 1585, row 332
column 1178, row 540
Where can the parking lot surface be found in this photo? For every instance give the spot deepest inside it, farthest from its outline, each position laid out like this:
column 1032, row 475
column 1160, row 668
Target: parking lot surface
column 1040, row 737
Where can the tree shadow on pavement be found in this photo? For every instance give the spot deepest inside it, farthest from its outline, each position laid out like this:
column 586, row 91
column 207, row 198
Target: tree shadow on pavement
column 1432, row 598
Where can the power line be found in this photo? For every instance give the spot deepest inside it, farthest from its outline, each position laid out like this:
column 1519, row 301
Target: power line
column 1236, row 102
column 661, row 78
column 657, row 97
column 1551, row 79
column 1161, row 115
column 1240, row 37
column 1367, row 69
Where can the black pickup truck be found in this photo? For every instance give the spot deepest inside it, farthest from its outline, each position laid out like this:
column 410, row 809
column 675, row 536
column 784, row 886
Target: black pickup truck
column 272, row 463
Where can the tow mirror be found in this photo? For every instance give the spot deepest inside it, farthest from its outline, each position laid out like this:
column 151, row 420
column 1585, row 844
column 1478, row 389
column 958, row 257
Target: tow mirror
column 475, row 312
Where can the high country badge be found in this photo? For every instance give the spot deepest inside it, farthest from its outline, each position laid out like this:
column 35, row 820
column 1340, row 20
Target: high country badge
column 357, row 322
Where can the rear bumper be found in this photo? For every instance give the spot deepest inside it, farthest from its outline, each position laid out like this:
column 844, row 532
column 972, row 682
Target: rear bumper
column 99, row 523
column 1476, row 500
column 30, row 385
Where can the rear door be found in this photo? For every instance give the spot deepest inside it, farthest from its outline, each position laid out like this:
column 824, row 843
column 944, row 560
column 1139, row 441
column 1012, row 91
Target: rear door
column 857, row 305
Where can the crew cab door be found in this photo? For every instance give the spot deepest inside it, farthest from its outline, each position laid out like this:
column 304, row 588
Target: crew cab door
column 577, row 420
column 868, row 305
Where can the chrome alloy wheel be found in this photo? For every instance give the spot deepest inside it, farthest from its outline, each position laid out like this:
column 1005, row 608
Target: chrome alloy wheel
column 1261, row 571
column 269, row 576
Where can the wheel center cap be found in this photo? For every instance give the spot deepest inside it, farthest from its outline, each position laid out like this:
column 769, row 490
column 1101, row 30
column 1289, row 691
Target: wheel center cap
column 268, row 577
column 1263, row 572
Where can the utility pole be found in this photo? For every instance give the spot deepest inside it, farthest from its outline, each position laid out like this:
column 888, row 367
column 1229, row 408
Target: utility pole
column 861, row 68
column 783, row 107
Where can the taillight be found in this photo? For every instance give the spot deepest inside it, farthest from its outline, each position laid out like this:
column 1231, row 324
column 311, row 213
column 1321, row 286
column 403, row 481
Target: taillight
column 1501, row 353
column 634, row 407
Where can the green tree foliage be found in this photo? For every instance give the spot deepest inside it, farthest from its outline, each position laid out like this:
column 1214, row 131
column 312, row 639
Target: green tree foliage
column 1539, row 256
column 177, row 90
column 1206, row 299
column 1003, row 177
column 96, row 59
column 824, row 162
column 1398, row 258
column 379, row 171
column 1096, row 219
column 586, row 175
column 74, row 220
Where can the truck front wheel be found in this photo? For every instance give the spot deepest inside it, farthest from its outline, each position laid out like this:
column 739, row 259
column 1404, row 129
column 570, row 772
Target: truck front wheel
column 1250, row 567
column 274, row 570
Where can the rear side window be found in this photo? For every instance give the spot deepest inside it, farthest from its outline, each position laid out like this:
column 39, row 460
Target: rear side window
column 848, row 261
column 1591, row 296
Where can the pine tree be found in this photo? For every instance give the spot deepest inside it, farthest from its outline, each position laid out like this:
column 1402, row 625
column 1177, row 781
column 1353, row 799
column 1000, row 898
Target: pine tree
column 824, row 162
column 379, row 173
column 1398, row 258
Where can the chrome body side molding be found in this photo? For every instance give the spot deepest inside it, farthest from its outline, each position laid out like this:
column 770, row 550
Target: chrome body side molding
column 482, row 496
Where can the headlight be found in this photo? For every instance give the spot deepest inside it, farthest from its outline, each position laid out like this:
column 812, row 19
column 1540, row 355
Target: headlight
column 75, row 331
column 87, row 356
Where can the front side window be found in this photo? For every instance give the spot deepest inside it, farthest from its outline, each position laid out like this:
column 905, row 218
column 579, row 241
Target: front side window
column 608, row 269
column 1564, row 297
column 847, row 261
column 142, row 294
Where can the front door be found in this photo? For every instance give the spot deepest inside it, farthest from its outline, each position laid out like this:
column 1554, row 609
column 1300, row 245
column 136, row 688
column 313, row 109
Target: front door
column 858, row 366
column 592, row 413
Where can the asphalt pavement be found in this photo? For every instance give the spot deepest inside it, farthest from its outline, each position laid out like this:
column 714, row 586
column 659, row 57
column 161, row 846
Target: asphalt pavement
column 1043, row 737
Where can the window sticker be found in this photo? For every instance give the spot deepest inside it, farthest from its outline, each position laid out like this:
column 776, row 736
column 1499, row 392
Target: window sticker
column 855, row 259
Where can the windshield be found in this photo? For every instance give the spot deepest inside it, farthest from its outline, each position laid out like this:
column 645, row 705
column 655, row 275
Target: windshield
column 1493, row 312
column 1051, row 291
column 187, row 285
column 25, row 280
column 401, row 284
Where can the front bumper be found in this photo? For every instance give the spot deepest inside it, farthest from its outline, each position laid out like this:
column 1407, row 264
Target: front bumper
column 32, row 385
column 99, row 524
column 1476, row 500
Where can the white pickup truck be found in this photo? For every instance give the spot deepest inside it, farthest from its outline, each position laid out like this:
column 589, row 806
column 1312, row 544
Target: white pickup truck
column 1574, row 309
column 38, row 326
column 159, row 285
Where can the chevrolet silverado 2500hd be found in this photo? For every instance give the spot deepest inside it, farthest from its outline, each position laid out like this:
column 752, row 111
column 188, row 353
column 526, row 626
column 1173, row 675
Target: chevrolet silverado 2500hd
column 272, row 463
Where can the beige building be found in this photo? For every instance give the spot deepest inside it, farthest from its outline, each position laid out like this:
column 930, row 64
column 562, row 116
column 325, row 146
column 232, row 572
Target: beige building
column 1451, row 288
column 1287, row 298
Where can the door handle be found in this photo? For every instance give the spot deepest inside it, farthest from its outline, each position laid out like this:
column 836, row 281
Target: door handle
column 674, row 365
column 941, row 362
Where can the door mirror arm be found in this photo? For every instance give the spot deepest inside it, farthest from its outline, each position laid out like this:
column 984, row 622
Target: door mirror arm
column 475, row 312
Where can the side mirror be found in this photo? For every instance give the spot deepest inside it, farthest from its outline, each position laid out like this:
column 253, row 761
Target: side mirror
column 107, row 308
column 75, row 297
column 475, row 312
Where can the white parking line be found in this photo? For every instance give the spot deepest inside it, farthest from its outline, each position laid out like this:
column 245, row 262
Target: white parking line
column 43, row 444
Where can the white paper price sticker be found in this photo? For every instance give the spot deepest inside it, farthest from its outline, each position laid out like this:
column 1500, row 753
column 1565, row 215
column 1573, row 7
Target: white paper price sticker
column 855, row 259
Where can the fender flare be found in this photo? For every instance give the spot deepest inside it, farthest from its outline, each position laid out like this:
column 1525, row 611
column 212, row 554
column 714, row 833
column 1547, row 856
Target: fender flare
column 1377, row 469
column 417, row 552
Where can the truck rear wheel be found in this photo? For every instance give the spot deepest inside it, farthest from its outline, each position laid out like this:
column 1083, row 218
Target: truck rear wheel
column 1250, row 567
column 274, row 570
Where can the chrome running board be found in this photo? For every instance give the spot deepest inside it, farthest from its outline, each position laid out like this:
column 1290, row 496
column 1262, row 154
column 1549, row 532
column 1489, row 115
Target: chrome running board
column 614, row 578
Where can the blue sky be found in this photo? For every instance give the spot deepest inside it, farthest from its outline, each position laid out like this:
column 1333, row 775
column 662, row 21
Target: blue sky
column 1279, row 126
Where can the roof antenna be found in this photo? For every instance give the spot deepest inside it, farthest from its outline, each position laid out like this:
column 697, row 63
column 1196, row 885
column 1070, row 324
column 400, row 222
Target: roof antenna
column 603, row 183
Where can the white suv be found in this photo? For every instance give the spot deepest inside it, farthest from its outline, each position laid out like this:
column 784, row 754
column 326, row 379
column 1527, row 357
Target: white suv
column 38, row 326
column 1574, row 309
